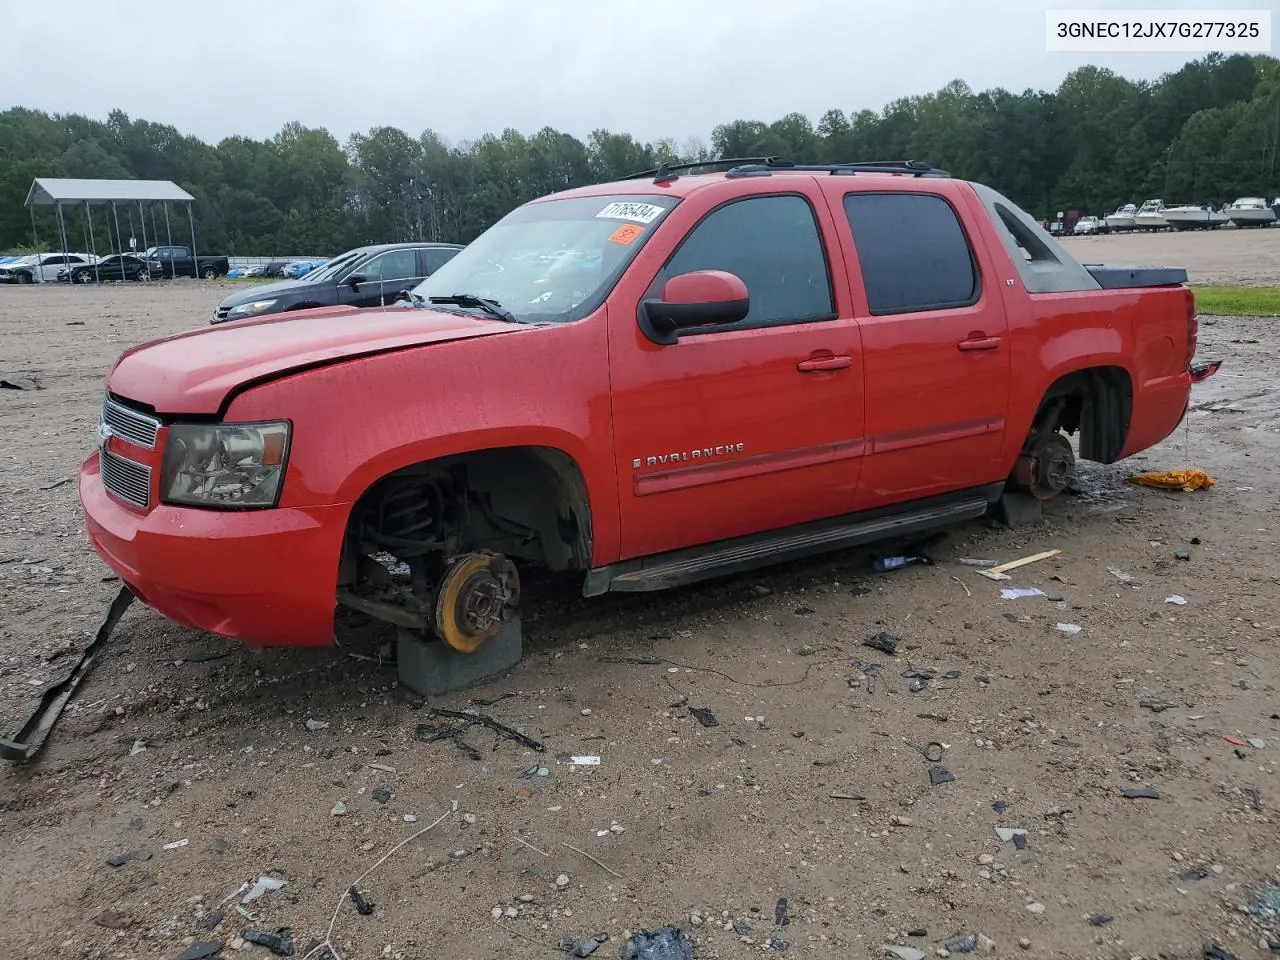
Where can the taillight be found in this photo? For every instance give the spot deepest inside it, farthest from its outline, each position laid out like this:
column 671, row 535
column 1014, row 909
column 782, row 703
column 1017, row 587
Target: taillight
column 1193, row 324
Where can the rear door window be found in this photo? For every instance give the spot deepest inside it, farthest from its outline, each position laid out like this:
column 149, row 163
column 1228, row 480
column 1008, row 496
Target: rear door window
column 913, row 252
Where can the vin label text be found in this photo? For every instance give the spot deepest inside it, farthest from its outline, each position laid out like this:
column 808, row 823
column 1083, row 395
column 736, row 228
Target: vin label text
column 1158, row 31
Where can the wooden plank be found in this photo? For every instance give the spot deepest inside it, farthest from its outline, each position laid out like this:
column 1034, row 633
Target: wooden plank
column 998, row 573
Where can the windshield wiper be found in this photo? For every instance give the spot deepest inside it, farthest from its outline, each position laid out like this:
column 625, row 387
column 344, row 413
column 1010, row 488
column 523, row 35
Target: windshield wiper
column 492, row 307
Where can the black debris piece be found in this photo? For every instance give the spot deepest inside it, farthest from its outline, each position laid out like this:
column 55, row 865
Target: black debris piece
column 280, row 943
column 704, row 716
column 803, row 611
column 1155, row 706
column 921, row 673
column 479, row 718
column 741, row 929
column 120, row 859
column 918, row 932
column 940, row 775
column 1214, row 952
column 363, row 906
column 966, row 944
column 885, row 564
column 781, row 946
column 669, row 943
column 586, row 948
column 201, row 951
column 1141, row 793
column 919, row 684
column 780, row 913
column 951, row 675
column 1183, row 554
column 1020, row 841
column 1194, row 874
column 1100, row 919
column 999, row 806
column 380, row 795
column 568, row 945
column 435, row 732
column 18, row 383
column 212, row 920
column 884, row 642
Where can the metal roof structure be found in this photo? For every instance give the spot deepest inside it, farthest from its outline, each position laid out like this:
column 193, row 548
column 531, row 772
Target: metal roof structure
column 46, row 191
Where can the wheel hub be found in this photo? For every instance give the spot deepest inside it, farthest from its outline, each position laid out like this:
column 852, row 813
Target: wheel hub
column 1046, row 466
column 478, row 593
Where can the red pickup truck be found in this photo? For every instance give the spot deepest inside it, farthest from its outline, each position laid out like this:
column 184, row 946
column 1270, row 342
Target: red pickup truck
column 652, row 381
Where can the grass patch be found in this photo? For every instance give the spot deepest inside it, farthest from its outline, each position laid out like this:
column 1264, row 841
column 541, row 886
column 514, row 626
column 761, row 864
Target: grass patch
column 1238, row 301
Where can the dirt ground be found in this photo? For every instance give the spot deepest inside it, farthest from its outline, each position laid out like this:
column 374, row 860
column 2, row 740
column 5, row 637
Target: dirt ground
column 180, row 737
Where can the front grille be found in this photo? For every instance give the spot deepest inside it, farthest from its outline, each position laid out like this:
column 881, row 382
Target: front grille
column 129, row 424
column 129, row 481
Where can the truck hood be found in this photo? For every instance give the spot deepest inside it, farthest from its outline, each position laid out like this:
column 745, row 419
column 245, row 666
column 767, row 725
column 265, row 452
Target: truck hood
column 198, row 371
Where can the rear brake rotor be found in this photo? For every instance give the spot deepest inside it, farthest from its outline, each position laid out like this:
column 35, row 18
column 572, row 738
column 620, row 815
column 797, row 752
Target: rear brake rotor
column 478, row 593
column 1046, row 466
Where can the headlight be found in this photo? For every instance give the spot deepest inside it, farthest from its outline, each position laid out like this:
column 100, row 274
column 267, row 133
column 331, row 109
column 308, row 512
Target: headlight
column 225, row 465
column 251, row 309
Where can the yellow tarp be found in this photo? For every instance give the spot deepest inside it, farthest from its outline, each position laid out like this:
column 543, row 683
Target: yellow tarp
column 1187, row 480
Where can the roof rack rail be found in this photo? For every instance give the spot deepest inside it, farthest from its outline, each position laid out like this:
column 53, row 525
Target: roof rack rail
column 666, row 172
column 915, row 168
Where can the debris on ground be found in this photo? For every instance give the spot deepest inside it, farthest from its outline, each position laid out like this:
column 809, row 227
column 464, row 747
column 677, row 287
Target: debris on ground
column 261, row 887
column 1188, row 480
column 583, row 948
column 1175, row 599
column 1070, row 629
column 1182, row 555
column 380, row 795
column 339, row 809
column 1154, row 704
column 1141, row 793
column 314, row 725
column 704, row 716
column 1001, row 572
column 780, row 917
column 973, row 562
column 202, row 950
column 781, row 946
column 669, row 943
column 885, row 564
column 431, row 733
column 939, row 775
column 1265, row 903
column 363, row 907
column 26, row 743
column 1120, row 574
column 120, row 859
column 905, row 953
column 1010, row 834
column 18, row 383
column 279, row 943
column 884, row 642
column 1015, row 593
column 585, row 761
column 965, row 944
column 176, row 844
column 1100, row 919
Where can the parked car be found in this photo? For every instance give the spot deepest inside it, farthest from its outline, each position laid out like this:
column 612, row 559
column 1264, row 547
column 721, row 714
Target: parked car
column 651, row 382
column 41, row 267
column 178, row 262
column 1087, row 225
column 364, row 277
column 115, row 267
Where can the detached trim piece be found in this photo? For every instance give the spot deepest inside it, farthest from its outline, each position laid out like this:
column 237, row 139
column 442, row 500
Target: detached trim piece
column 26, row 743
column 747, row 553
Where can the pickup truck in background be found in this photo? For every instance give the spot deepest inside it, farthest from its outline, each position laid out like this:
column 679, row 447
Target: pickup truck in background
column 177, row 261
column 650, row 382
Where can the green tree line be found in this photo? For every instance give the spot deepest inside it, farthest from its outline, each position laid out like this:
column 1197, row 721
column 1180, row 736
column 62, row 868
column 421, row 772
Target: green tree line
column 1208, row 132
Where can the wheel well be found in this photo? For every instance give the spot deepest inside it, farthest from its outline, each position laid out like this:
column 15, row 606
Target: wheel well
column 528, row 503
column 1096, row 402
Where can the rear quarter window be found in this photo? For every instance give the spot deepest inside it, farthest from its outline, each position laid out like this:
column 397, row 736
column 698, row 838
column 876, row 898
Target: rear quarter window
column 913, row 253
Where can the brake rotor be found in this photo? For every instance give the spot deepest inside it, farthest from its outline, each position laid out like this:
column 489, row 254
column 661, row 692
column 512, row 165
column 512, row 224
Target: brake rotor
column 1046, row 466
column 478, row 593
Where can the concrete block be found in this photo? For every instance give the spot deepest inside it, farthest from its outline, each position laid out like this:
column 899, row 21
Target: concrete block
column 430, row 667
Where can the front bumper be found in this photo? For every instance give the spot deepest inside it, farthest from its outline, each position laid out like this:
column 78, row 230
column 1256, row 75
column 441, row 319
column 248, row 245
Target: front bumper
column 265, row 577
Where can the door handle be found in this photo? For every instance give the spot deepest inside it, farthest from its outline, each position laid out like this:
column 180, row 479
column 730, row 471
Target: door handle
column 979, row 343
column 818, row 364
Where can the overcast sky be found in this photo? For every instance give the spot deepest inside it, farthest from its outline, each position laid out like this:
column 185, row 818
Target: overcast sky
column 653, row 68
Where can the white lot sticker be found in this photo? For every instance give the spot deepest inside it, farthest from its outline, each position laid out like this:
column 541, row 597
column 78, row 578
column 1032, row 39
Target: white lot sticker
column 639, row 212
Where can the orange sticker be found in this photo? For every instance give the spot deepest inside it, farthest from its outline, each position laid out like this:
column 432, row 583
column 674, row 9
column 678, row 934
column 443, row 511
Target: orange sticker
column 626, row 233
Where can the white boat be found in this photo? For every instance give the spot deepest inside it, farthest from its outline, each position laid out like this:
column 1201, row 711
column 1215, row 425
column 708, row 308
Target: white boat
column 1251, row 212
column 1187, row 216
column 1150, row 216
column 1122, row 219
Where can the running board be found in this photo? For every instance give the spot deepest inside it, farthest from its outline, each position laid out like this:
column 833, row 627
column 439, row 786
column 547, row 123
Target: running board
column 690, row 565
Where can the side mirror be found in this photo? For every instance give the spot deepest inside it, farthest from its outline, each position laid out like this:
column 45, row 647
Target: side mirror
column 702, row 298
column 356, row 279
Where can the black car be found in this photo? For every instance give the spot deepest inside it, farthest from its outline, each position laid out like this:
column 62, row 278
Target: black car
column 364, row 277
column 114, row 267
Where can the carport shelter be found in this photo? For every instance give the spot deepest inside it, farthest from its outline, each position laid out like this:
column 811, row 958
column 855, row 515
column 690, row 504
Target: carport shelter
column 60, row 193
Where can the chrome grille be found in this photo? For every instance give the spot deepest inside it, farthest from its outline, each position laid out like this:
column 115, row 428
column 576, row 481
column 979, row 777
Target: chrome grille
column 130, row 424
column 129, row 481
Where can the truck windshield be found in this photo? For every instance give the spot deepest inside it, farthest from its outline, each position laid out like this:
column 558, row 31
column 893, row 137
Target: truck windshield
column 552, row 261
